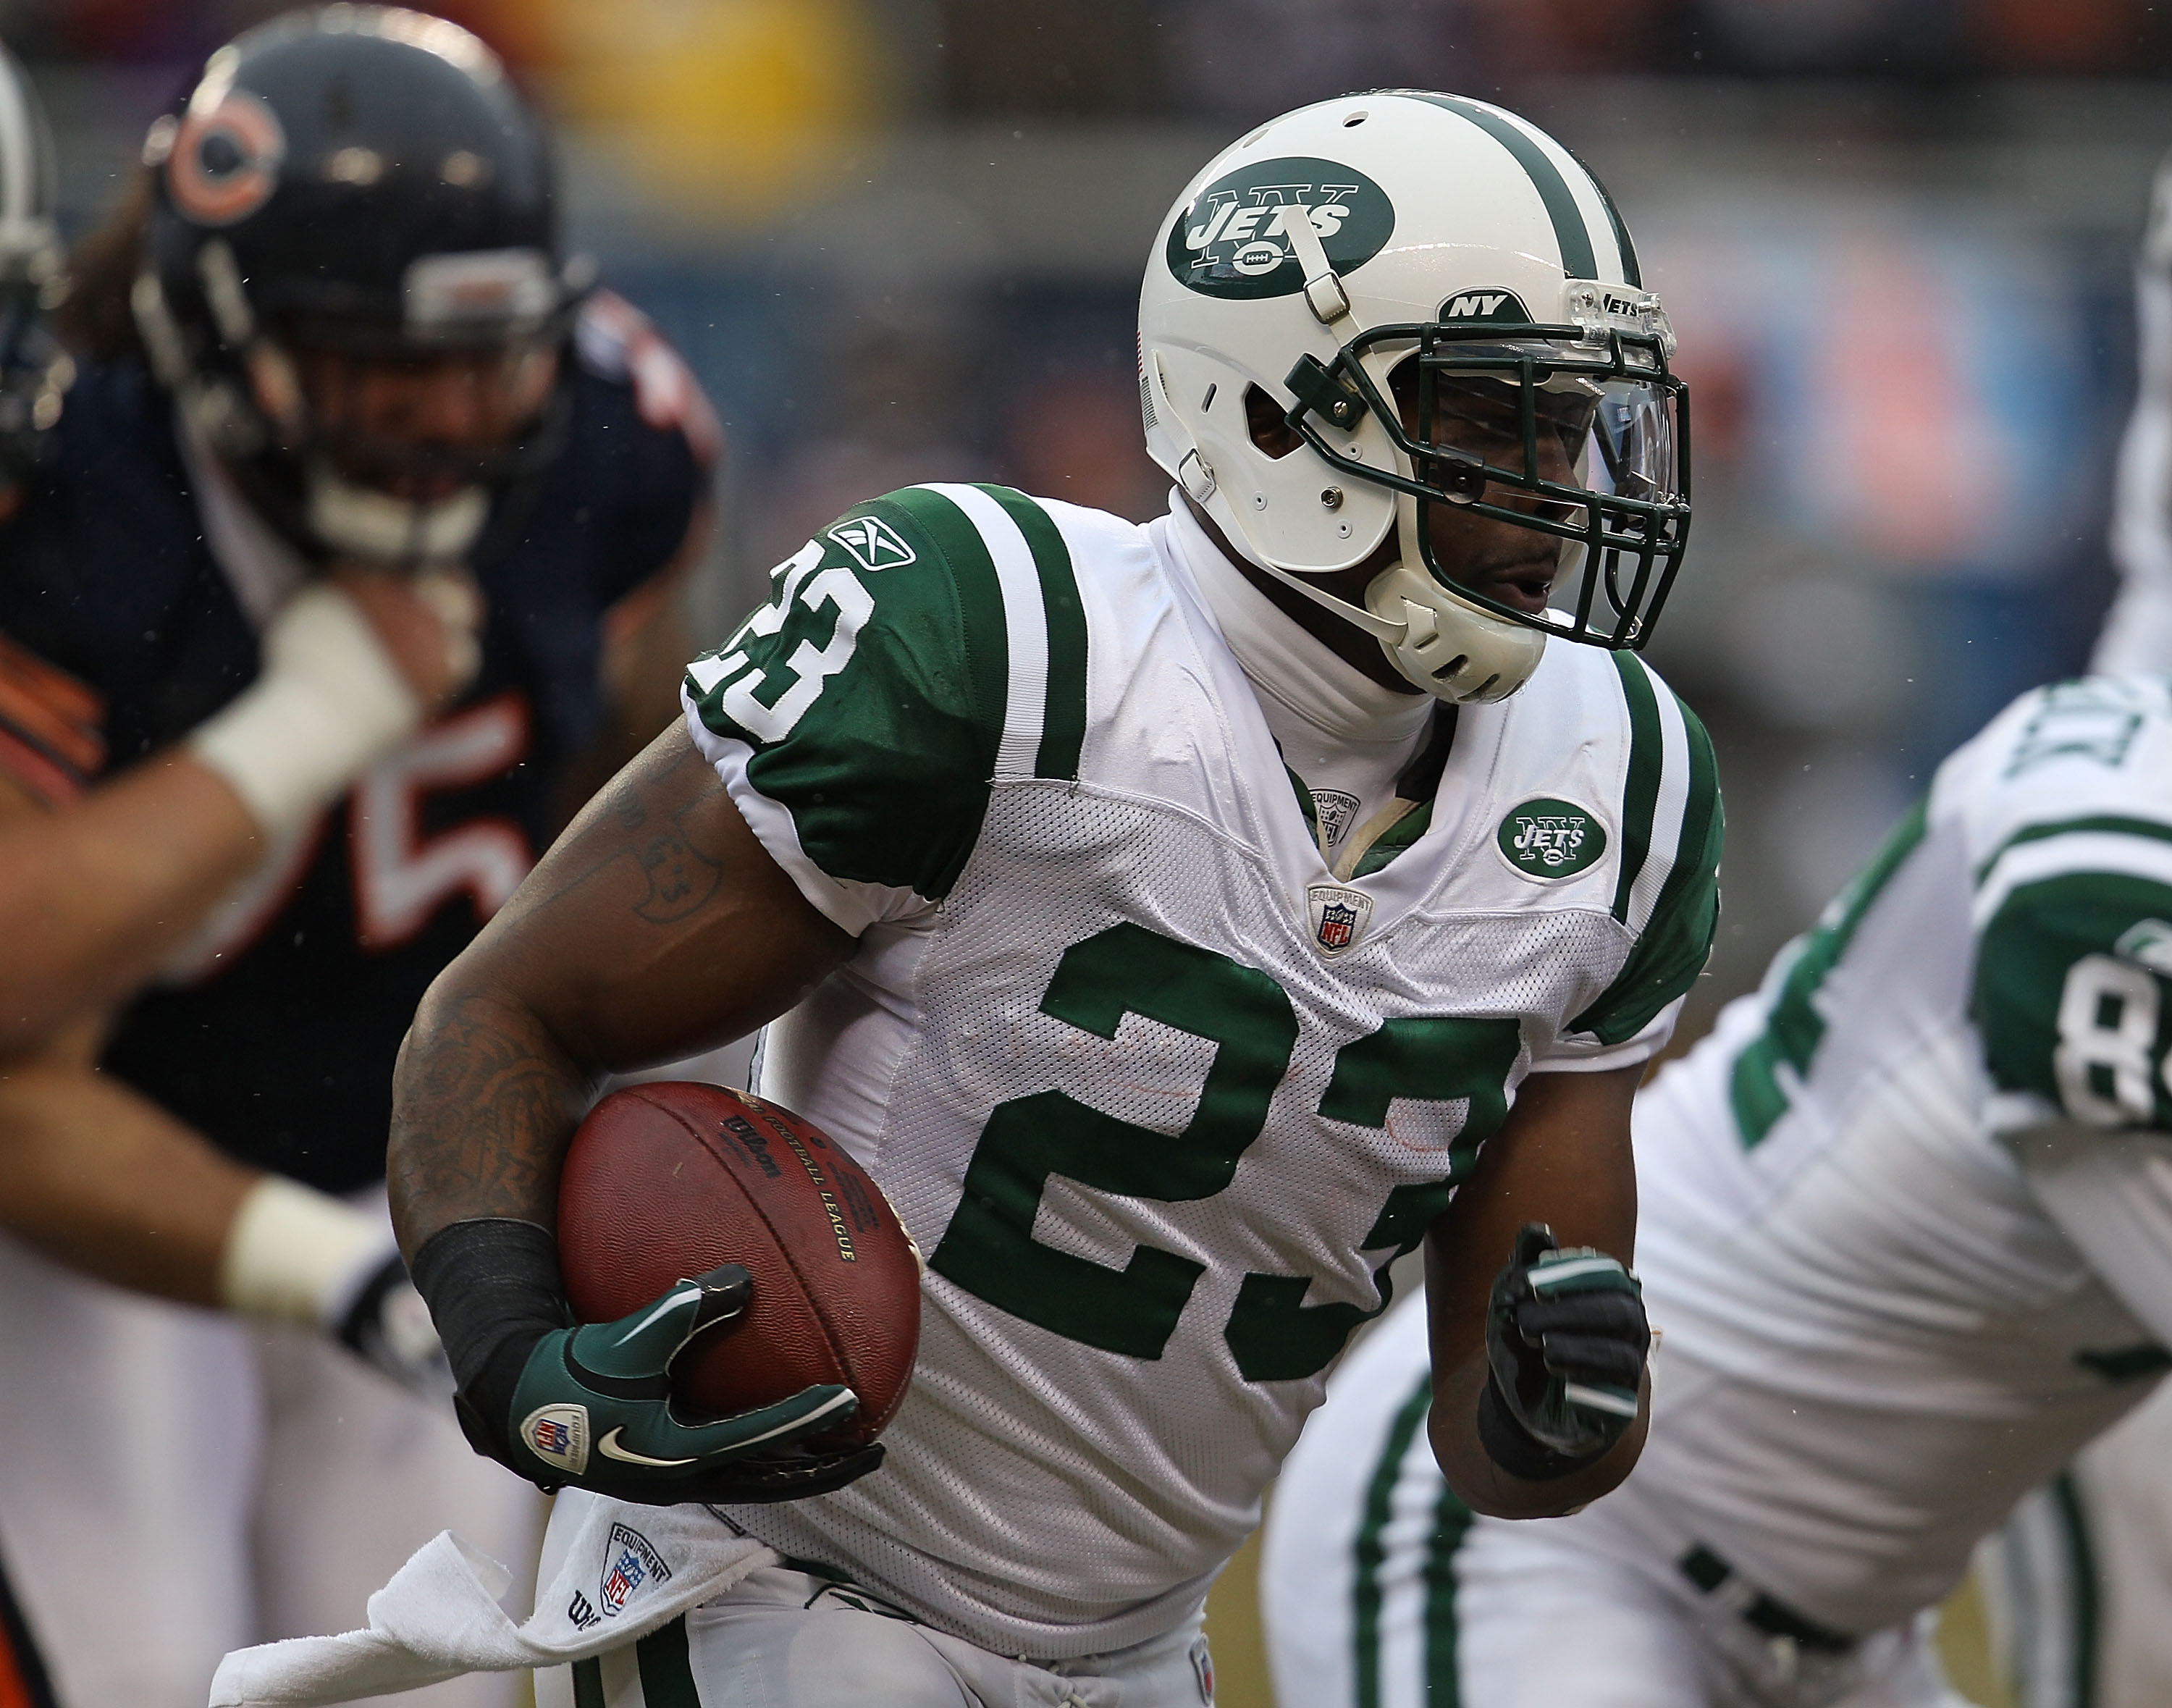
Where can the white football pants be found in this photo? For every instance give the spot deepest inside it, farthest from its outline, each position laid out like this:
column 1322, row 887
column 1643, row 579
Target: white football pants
column 176, row 1483
column 1380, row 1590
column 785, row 1639
column 2079, row 1585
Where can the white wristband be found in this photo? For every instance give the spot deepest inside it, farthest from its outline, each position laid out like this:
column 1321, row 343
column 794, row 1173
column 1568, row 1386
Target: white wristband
column 328, row 704
column 295, row 1255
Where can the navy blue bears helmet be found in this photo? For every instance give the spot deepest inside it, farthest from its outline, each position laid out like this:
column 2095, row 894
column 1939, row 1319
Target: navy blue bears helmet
column 365, row 179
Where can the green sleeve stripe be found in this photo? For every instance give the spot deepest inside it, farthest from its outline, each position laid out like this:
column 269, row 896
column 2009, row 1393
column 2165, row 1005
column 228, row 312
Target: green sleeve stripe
column 1020, row 620
column 1696, row 854
column 1063, row 721
column 1370, row 1550
column 982, row 634
column 1676, row 939
column 2107, row 825
column 1640, row 796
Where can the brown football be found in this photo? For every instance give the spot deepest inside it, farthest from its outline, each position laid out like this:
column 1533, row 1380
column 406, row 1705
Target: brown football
column 668, row 1180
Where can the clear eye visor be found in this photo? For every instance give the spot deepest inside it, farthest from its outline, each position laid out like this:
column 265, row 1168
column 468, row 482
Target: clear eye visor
column 1579, row 432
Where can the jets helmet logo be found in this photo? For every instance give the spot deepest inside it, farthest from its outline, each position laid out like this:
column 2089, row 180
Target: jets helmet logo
column 872, row 543
column 1233, row 239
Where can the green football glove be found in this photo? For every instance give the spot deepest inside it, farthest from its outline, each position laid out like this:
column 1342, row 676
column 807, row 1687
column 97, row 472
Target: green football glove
column 592, row 1408
column 1566, row 1338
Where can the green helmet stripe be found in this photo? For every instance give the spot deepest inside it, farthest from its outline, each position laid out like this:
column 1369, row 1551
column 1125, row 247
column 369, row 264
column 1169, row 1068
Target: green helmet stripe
column 1630, row 273
column 1577, row 258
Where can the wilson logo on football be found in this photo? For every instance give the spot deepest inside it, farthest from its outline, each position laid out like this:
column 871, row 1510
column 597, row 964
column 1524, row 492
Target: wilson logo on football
column 1233, row 239
column 225, row 160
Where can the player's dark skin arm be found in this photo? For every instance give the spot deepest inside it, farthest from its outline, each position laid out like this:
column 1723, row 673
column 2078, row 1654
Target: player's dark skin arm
column 656, row 926
column 1561, row 1157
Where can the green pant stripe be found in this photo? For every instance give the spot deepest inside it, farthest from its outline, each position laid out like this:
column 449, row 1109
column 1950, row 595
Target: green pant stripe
column 1063, row 726
column 2104, row 824
column 2082, row 1574
column 1451, row 1523
column 588, row 1684
column 1368, row 1551
column 1640, row 795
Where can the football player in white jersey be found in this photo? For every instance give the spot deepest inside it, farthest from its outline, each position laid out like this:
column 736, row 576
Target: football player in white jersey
column 1906, row 1230
column 2079, row 1584
column 1165, row 916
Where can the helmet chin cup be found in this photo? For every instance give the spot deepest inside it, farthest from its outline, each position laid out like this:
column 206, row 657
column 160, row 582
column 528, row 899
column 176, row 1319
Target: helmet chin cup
column 1454, row 650
column 359, row 522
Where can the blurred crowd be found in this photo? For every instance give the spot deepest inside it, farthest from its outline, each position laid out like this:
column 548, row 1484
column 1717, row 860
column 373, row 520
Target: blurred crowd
column 897, row 241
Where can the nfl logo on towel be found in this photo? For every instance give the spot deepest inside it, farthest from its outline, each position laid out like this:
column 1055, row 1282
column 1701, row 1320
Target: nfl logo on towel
column 1339, row 917
column 629, row 1561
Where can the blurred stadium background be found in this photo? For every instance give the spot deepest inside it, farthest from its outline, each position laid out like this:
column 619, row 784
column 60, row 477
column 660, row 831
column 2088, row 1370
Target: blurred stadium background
column 899, row 239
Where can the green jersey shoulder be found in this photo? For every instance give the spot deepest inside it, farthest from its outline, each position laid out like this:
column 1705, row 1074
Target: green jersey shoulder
column 923, row 644
column 2067, row 803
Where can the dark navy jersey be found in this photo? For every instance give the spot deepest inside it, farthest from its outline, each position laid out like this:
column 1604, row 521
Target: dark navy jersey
column 117, row 626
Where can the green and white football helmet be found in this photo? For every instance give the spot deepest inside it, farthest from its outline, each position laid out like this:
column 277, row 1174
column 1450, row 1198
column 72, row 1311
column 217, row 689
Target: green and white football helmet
column 1437, row 235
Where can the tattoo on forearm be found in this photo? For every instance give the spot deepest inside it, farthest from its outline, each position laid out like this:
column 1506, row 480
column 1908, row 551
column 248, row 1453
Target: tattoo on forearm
column 481, row 1113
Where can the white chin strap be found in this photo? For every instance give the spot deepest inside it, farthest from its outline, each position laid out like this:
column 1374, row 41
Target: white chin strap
column 1436, row 639
column 380, row 529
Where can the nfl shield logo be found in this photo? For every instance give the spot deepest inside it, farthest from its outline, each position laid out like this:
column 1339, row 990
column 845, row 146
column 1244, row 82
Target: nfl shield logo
column 629, row 1561
column 1339, row 917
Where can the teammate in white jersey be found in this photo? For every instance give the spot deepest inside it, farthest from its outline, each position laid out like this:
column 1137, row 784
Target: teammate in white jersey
column 2079, row 1584
column 1162, row 1050
column 1906, row 1228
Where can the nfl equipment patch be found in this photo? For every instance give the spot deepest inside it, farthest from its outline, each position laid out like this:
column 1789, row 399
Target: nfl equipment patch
column 630, row 1561
column 1337, row 811
column 558, row 1435
column 1339, row 917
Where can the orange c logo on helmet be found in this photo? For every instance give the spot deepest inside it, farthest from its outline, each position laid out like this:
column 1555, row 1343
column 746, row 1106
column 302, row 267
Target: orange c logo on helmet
column 225, row 162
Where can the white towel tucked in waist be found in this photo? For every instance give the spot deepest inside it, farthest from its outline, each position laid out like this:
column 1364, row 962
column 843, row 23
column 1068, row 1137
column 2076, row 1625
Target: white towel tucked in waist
column 629, row 1571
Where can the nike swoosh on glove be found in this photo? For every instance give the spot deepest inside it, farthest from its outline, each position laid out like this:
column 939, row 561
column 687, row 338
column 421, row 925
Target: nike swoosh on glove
column 592, row 1408
column 1566, row 1339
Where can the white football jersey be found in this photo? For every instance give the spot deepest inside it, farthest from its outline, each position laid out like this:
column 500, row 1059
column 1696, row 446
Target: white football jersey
column 1886, row 1314
column 1159, row 1097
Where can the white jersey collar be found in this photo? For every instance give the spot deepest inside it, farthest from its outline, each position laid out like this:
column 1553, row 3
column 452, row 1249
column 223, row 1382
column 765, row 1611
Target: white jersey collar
column 1284, row 664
